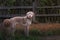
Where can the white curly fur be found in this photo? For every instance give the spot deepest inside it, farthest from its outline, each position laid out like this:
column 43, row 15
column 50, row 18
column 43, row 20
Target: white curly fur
column 25, row 21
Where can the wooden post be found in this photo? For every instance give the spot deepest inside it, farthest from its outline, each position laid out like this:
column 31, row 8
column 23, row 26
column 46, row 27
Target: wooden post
column 34, row 10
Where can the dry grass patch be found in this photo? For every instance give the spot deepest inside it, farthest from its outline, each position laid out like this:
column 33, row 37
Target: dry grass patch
column 42, row 26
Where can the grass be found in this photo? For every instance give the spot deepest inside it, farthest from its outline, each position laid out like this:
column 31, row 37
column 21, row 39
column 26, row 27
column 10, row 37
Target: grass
column 19, row 35
column 34, row 34
column 37, row 32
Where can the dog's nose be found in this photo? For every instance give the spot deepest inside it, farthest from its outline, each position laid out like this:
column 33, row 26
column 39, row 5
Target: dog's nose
column 30, row 16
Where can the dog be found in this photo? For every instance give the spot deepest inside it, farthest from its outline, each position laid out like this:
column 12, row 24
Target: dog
column 25, row 21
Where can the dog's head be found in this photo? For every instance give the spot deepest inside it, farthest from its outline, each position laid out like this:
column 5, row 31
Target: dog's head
column 30, row 14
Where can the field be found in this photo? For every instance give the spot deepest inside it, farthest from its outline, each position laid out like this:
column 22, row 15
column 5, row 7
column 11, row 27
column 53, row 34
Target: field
column 41, row 31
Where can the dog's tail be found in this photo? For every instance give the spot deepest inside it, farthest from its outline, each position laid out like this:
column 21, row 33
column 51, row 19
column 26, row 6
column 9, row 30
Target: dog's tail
column 6, row 22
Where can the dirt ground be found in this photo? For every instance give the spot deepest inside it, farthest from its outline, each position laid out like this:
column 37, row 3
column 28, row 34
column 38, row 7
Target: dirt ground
column 42, row 26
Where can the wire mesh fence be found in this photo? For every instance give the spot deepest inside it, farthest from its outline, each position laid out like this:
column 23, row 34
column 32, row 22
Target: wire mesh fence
column 43, row 14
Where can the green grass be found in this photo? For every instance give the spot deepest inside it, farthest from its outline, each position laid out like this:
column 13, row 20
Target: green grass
column 21, row 37
column 34, row 34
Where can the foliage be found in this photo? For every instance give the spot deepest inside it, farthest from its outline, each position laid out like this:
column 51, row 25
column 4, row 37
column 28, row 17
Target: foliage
column 7, row 2
column 48, row 2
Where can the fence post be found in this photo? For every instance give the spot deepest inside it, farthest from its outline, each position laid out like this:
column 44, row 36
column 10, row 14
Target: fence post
column 34, row 10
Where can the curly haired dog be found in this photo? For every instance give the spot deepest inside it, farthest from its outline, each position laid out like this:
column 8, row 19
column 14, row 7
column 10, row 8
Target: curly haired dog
column 25, row 21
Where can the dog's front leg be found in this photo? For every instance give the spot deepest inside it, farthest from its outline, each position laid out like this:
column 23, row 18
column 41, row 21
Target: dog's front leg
column 26, row 31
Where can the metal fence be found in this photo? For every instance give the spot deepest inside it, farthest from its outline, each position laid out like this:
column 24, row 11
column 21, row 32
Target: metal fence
column 46, row 14
column 49, row 14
